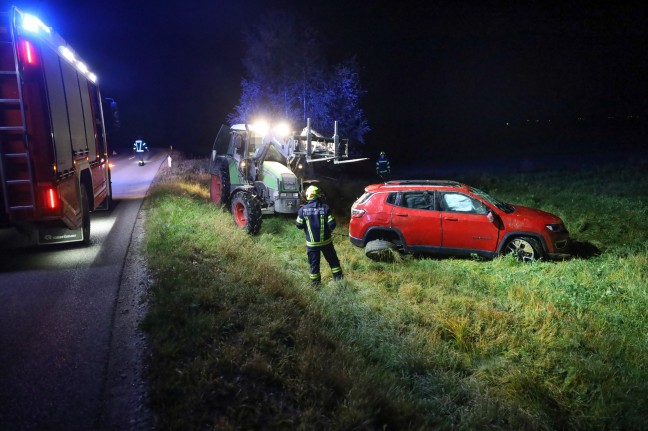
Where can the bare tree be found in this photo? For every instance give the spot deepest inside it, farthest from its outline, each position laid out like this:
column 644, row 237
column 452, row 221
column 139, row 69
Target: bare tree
column 287, row 78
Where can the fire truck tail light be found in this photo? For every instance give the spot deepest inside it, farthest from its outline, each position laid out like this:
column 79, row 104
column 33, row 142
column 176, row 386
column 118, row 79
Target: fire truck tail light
column 29, row 54
column 51, row 198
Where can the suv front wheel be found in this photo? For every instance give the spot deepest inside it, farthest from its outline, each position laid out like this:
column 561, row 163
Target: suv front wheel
column 525, row 249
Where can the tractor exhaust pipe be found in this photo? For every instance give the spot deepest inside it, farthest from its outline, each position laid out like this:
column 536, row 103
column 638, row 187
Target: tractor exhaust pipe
column 336, row 140
column 309, row 148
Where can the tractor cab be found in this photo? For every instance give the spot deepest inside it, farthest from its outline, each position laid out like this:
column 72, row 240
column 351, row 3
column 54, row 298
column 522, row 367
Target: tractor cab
column 250, row 175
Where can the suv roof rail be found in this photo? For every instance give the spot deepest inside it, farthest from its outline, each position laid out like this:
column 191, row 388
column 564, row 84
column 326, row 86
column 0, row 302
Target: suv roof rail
column 443, row 183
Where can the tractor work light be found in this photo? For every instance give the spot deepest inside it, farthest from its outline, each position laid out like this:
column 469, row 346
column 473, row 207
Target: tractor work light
column 260, row 127
column 282, row 129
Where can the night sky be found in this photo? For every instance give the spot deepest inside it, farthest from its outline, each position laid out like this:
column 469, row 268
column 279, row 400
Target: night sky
column 441, row 76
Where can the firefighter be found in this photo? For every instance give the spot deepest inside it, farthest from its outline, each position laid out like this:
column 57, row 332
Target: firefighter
column 382, row 167
column 139, row 147
column 317, row 221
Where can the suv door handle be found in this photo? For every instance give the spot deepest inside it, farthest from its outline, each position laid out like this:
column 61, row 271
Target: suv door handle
column 401, row 215
column 451, row 218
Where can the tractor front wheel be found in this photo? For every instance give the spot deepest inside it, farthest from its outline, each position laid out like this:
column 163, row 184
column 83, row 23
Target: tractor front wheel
column 246, row 209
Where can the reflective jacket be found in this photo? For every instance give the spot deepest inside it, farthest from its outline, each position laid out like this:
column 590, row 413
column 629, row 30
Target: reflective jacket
column 316, row 220
column 140, row 146
column 382, row 166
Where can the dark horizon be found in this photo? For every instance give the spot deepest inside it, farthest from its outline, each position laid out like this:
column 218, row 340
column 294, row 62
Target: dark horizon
column 444, row 77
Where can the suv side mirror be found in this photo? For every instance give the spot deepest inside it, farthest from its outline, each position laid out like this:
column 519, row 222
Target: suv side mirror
column 494, row 218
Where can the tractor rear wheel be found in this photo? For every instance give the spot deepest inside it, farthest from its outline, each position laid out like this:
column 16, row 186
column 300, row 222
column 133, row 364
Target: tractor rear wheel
column 220, row 185
column 246, row 209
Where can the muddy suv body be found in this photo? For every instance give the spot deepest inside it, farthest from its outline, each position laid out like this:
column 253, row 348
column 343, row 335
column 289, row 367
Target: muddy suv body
column 451, row 218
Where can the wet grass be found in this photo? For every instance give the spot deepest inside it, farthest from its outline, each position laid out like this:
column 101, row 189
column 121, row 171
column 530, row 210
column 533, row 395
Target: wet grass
column 241, row 341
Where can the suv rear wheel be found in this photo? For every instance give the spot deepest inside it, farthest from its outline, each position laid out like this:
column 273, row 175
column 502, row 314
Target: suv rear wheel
column 525, row 249
column 380, row 250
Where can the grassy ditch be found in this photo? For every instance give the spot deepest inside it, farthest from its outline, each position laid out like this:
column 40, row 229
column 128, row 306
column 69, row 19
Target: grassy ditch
column 241, row 341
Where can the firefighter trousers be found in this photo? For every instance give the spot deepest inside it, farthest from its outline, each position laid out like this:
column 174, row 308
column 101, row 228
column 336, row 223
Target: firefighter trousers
column 384, row 176
column 331, row 257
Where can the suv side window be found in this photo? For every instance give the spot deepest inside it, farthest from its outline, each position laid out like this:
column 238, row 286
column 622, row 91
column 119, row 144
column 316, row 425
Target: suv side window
column 458, row 202
column 365, row 197
column 420, row 200
column 391, row 198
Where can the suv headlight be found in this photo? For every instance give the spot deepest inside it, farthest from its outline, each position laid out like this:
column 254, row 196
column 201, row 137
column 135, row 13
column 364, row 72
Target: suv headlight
column 558, row 227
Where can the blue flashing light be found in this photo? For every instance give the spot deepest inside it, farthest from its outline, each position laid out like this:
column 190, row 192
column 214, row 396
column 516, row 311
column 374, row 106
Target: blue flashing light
column 33, row 24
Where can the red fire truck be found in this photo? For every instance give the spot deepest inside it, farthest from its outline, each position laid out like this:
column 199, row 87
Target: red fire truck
column 53, row 154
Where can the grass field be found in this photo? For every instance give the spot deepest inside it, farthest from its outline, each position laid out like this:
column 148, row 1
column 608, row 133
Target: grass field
column 241, row 341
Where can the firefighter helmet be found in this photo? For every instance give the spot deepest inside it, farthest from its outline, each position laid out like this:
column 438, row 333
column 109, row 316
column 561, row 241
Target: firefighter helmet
column 312, row 192
column 382, row 154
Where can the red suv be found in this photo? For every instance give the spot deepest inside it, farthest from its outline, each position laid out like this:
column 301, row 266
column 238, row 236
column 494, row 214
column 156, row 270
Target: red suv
column 451, row 218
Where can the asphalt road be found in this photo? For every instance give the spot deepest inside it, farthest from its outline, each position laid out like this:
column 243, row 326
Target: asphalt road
column 70, row 351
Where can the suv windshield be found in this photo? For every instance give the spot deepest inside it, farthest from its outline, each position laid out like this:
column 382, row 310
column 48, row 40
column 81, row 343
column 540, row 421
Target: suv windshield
column 507, row 208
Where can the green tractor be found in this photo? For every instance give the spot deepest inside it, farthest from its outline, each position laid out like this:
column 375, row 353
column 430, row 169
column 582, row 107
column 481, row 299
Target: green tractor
column 257, row 171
